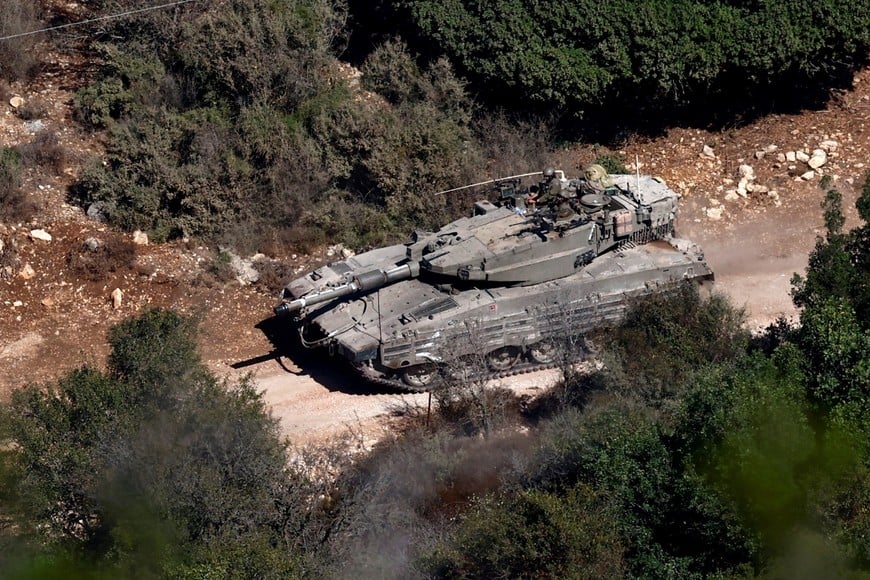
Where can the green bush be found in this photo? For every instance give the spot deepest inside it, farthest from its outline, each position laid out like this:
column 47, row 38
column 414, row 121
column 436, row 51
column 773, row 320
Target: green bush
column 670, row 520
column 612, row 162
column 666, row 338
column 640, row 54
column 219, row 148
column 153, row 468
column 10, row 170
column 532, row 535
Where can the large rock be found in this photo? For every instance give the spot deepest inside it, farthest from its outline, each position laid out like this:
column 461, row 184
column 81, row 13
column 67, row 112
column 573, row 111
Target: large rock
column 40, row 234
column 140, row 238
column 756, row 188
column 96, row 211
column 746, row 171
column 818, row 159
column 244, row 268
column 117, row 298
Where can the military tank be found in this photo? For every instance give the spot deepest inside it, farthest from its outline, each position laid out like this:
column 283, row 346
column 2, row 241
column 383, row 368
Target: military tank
column 509, row 282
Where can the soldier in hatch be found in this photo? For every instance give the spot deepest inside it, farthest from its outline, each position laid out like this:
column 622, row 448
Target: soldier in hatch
column 595, row 180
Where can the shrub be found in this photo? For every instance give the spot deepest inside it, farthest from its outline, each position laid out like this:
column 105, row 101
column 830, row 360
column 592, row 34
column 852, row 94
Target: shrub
column 99, row 262
column 14, row 204
column 612, row 162
column 220, row 148
column 274, row 275
column 34, row 108
column 155, row 467
column 665, row 338
column 45, row 150
column 531, row 535
column 18, row 56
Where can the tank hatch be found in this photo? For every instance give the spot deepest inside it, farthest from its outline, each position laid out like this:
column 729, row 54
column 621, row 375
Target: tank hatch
column 429, row 308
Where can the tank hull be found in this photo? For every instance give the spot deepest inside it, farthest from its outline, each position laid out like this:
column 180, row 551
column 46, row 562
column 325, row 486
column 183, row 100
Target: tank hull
column 402, row 333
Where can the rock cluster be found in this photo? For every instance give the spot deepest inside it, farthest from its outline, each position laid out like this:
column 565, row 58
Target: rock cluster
column 803, row 164
column 339, row 250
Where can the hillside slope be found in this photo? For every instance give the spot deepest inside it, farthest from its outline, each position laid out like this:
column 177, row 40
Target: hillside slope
column 54, row 313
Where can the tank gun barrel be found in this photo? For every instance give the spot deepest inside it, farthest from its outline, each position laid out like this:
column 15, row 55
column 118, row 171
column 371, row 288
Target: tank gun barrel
column 363, row 282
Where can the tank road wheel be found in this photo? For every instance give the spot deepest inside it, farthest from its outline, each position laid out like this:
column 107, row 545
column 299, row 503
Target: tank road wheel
column 462, row 369
column 543, row 352
column 501, row 359
column 419, row 376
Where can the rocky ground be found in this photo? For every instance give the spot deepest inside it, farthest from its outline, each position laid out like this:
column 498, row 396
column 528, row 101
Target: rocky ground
column 751, row 198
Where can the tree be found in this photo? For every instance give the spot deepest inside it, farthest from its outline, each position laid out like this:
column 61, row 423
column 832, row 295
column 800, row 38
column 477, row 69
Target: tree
column 835, row 328
column 156, row 466
column 466, row 395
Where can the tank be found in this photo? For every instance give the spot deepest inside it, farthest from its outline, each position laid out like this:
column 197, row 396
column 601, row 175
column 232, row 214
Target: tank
column 531, row 265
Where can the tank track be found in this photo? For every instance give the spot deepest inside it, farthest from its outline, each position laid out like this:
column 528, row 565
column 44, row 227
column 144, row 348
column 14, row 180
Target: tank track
column 521, row 368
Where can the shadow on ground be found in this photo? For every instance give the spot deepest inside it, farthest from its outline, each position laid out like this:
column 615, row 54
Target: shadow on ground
column 293, row 358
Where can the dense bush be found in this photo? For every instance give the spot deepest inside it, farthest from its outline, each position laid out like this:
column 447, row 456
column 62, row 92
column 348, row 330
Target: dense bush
column 154, row 467
column 533, row 535
column 249, row 142
column 643, row 54
column 835, row 321
column 664, row 340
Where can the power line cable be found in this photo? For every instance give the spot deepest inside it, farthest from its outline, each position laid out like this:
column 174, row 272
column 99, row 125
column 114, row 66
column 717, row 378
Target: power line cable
column 99, row 19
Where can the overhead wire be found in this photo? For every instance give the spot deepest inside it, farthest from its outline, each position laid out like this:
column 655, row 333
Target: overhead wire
column 98, row 19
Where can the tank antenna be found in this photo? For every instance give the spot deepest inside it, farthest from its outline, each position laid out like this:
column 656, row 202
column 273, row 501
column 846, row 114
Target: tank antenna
column 637, row 170
column 487, row 182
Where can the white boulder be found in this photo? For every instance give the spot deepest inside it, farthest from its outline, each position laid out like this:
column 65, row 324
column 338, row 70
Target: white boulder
column 819, row 158
column 40, row 234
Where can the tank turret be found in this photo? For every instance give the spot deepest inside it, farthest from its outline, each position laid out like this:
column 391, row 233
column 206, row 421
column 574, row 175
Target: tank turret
column 587, row 237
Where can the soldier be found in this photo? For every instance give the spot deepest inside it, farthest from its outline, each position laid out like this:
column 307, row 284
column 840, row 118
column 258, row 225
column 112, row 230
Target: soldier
column 595, row 180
